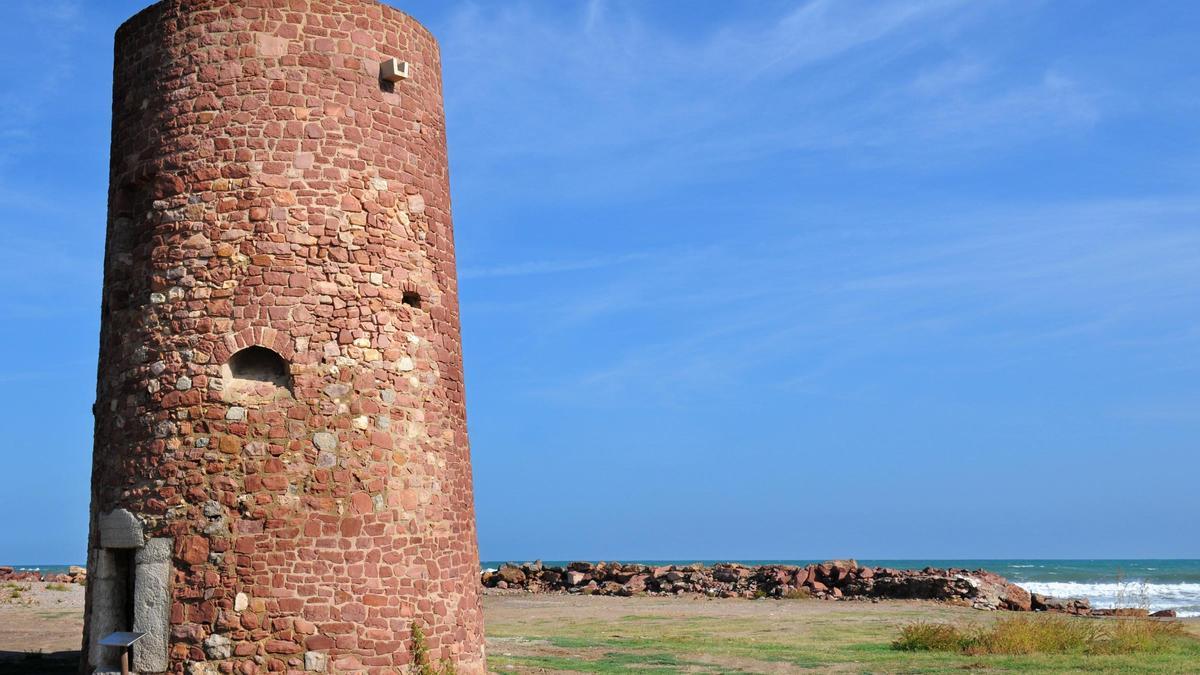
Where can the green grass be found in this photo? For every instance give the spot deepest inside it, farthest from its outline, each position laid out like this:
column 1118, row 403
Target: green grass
column 610, row 662
column 708, row 638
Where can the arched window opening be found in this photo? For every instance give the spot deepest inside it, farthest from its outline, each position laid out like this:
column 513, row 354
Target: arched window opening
column 257, row 373
column 261, row 365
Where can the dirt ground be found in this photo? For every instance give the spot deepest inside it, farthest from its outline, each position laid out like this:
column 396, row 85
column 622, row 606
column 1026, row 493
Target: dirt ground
column 41, row 625
column 692, row 634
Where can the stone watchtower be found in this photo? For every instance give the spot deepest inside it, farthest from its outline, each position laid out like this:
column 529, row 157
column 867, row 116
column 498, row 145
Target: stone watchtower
column 281, row 477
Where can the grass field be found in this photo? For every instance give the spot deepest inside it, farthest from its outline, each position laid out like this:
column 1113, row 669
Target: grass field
column 668, row 635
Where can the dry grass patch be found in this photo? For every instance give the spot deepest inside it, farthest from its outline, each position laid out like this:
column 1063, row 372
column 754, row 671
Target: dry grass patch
column 1134, row 636
column 1042, row 635
column 924, row 636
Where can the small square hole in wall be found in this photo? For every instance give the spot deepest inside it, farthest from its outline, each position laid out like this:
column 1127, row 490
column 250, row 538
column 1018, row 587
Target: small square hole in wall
column 412, row 299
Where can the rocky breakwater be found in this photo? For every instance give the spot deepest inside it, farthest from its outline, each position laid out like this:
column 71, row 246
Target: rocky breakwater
column 73, row 575
column 833, row 580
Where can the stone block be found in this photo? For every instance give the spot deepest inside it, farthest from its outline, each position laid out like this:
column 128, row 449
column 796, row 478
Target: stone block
column 152, row 605
column 121, row 529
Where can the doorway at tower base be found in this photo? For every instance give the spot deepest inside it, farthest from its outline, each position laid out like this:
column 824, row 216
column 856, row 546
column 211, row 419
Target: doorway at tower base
column 130, row 582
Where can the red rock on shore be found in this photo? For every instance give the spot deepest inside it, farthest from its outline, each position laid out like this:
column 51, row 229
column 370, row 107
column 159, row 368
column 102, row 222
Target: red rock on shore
column 833, row 580
column 73, row 575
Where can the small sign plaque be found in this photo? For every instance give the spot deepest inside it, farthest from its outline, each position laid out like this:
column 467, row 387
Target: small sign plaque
column 121, row 639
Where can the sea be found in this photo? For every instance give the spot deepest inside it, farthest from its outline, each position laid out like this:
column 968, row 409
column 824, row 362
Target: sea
column 1157, row 584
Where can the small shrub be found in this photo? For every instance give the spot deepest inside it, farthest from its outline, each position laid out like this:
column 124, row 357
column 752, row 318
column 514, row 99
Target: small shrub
column 798, row 594
column 420, row 655
column 922, row 636
column 57, row 587
column 1135, row 594
column 420, row 651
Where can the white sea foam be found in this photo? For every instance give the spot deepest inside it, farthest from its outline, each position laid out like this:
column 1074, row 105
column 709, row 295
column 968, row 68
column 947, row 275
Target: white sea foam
column 1184, row 598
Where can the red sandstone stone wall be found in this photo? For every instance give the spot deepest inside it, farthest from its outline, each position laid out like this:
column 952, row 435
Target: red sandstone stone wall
column 268, row 189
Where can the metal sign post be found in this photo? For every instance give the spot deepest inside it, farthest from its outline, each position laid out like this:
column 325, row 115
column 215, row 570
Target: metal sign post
column 124, row 640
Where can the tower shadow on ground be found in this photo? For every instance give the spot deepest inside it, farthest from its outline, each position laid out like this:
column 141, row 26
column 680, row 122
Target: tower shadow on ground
column 39, row 663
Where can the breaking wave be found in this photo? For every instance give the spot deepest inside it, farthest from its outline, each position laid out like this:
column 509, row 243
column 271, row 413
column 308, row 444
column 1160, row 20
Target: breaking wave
column 1184, row 598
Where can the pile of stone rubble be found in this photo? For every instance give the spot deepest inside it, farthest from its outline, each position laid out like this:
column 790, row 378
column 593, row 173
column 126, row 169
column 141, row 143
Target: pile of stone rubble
column 833, row 580
column 73, row 575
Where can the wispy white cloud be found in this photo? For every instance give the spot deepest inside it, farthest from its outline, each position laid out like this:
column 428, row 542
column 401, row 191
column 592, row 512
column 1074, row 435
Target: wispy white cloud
column 541, row 267
column 948, row 76
column 33, row 83
column 605, row 89
column 1005, row 282
column 817, row 31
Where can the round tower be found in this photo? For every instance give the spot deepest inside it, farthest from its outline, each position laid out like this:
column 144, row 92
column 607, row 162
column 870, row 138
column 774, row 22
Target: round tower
column 281, row 478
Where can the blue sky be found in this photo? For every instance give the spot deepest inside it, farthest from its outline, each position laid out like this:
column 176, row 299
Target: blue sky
column 739, row 280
